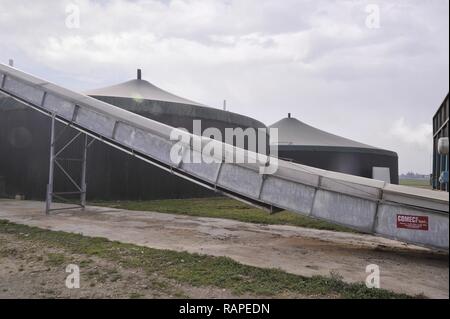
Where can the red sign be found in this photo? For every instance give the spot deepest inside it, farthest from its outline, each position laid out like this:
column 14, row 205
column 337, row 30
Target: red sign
column 412, row 222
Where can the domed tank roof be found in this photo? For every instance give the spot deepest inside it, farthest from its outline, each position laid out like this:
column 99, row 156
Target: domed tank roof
column 141, row 90
column 294, row 132
column 144, row 98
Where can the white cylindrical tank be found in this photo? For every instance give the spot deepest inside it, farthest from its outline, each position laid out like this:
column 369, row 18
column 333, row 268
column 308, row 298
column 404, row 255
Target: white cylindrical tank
column 443, row 146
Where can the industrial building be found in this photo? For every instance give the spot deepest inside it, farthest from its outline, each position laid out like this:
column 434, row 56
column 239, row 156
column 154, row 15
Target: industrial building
column 439, row 177
column 304, row 144
column 24, row 146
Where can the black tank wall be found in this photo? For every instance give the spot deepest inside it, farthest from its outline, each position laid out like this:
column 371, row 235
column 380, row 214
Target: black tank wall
column 355, row 162
column 111, row 174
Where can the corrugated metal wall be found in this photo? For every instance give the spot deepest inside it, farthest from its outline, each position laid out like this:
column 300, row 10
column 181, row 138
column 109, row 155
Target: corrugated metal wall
column 440, row 129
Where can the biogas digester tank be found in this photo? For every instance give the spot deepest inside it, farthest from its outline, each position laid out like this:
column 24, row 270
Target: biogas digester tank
column 111, row 174
column 307, row 145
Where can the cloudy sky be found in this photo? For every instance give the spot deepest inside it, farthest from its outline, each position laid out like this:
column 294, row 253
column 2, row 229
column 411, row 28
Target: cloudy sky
column 373, row 71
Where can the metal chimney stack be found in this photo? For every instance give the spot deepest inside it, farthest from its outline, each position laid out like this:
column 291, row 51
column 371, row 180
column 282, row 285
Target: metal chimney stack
column 139, row 74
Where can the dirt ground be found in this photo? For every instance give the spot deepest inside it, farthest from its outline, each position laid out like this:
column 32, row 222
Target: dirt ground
column 36, row 271
column 403, row 268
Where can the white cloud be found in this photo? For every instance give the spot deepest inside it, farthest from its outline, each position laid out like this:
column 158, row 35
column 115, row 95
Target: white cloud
column 419, row 135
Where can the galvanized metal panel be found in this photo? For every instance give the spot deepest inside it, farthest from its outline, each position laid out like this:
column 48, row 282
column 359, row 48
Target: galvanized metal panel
column 288, row 195
column 345, row 187
column 59, row 106
column 24, row 91
column 414, row 201
column 436, row 235
column 298, row 173
column 207, row 171
column 95, row 122
column 144, row 142
column 241, row 180
column 345, row 210
column 432, row 200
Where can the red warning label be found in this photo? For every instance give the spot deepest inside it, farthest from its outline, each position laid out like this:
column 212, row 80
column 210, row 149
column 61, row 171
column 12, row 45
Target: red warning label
column 412, row 222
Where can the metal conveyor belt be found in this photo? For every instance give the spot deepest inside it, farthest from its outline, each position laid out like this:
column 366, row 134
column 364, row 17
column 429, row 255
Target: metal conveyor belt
column 404, row 213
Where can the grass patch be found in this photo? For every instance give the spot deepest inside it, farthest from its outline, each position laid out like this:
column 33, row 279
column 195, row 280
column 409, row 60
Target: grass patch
column 55, row 260
column 420, row 183
column 197, row 270
column 221, row 207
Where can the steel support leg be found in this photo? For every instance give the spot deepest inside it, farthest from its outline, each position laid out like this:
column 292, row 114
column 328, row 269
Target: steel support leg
column 83, row 173
column 55, row 161
column 49, row 197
